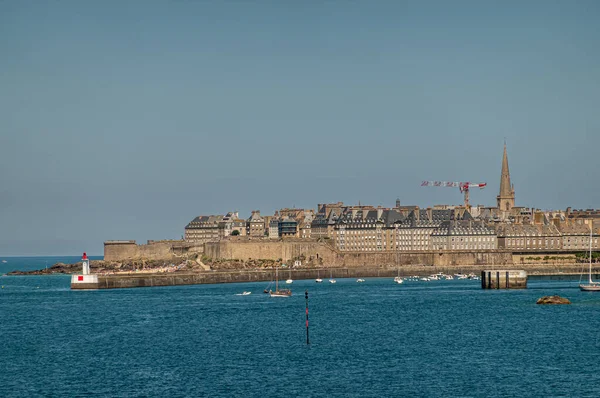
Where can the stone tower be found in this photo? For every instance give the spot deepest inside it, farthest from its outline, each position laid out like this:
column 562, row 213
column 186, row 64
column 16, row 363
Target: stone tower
column 506, row 198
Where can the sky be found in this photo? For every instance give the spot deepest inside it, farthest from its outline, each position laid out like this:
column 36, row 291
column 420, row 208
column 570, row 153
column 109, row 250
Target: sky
column 127, row 119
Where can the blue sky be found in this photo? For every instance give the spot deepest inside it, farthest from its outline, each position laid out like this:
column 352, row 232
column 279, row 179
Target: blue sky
column 124, row 120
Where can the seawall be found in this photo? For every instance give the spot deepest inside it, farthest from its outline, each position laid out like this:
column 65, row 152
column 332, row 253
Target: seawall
column 266, row 275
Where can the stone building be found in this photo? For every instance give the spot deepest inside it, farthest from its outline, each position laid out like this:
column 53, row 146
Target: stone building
column 365, row 229
column 255, row 225
column 203, row 229
column 464, row 235
column 231, row 222
column 305, row 225
column 518, row 237
column 274, row 226
column 288, row 227
column 576, row 237
column 415, row 231
column 324, row 221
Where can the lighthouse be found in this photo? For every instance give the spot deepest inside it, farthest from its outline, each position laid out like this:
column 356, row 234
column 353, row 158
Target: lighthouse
column 86, row 264
column 85, row 280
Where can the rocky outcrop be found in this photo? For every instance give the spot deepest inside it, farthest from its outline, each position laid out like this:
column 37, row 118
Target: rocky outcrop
column 553, row 300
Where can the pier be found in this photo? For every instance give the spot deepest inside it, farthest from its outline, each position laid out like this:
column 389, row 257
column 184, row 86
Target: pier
column 503, row 279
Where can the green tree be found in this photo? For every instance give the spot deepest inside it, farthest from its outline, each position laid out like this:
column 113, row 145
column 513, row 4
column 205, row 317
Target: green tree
column 235, row 232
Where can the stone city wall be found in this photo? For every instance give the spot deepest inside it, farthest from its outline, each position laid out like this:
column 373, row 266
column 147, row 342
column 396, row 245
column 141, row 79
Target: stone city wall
column 154, row 250
column 321, row 254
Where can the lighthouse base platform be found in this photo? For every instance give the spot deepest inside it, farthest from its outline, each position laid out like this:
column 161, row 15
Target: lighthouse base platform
column 84, row 281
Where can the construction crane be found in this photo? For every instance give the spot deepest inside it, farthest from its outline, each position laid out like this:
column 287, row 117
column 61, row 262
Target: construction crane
column 462, row 186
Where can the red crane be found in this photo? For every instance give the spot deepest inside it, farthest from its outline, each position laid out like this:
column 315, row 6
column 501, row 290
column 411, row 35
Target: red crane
column 462, row 186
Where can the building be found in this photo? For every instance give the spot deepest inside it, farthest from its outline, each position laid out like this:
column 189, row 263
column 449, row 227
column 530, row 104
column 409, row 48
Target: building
column 288, row 227
column 203, row 229
column 255, row 225
column 506, row 197
column 274, row 226
column 305, row 225
column 517, row 237
column 322, row 225
column 226, row 224
column 464, row 235
column 415, row 231
column 576, row 237
column 365, row 229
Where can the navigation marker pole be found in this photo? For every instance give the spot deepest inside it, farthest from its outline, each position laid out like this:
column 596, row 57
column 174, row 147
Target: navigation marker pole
column 306, row 297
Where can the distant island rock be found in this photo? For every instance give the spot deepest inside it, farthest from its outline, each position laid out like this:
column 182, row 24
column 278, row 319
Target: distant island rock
column 553, row 300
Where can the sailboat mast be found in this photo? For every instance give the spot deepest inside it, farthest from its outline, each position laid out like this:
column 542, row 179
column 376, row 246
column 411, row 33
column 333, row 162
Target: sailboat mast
column 590, row 274
column 277, row 280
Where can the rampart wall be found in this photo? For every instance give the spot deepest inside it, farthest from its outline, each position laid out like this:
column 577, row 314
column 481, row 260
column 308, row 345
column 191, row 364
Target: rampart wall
column 154, row 250
column 322, row 254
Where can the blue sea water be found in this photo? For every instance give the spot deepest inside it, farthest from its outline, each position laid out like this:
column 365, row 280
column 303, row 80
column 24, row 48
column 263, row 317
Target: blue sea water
column 36, row 263
column 371, row 339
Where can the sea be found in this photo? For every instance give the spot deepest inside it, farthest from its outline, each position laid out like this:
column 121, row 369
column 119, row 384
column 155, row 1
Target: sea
column 446, row 338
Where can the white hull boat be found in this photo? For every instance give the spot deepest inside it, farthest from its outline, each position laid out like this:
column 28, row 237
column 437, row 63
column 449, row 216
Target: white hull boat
column 591, row 286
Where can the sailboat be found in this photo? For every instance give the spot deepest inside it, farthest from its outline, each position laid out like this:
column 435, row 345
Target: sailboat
column 268, row 288
column 398, row 279
column 331, row 280
column 318, row 280
column 591, row 286
column 278, row 292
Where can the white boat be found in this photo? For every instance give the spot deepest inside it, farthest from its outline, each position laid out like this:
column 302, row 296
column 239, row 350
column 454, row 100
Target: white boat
column 591, row 286
column 424, row 279
column 359, row 280
column 243, row 294
column 331, row 280
column 289, row 281
column 318, row 280
column 398, row 279
column 279, row 292
column 4, row 261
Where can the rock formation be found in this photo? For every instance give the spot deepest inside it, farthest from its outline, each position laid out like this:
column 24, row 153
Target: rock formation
column 553, row 300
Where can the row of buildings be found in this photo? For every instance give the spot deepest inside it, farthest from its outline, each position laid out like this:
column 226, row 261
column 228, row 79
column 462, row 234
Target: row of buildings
column 410, row 228
column 404, row 228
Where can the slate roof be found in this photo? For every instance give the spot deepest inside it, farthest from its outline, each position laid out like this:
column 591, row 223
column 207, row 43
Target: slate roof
column 463, row 228
column 204, row 221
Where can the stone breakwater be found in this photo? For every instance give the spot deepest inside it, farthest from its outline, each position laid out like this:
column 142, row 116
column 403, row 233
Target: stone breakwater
column 142, row 279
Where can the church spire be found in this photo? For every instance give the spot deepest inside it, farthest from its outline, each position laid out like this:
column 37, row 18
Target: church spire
column 506, row 198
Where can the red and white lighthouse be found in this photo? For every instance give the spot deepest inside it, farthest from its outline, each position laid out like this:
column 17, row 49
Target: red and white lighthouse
column 85, row 280
column 86, row 264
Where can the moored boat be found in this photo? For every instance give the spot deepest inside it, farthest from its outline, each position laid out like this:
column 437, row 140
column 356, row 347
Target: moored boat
column 279, row 292
column 591, row 286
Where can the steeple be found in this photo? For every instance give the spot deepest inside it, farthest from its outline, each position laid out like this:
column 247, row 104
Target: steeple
column 506, row 198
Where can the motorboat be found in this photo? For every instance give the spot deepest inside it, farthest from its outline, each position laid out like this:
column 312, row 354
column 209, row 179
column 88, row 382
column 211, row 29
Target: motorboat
column 359, row 280
column 319, row 280
column 289, row 281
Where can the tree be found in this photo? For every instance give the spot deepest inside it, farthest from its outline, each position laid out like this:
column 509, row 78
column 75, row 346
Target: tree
column 235, row 232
